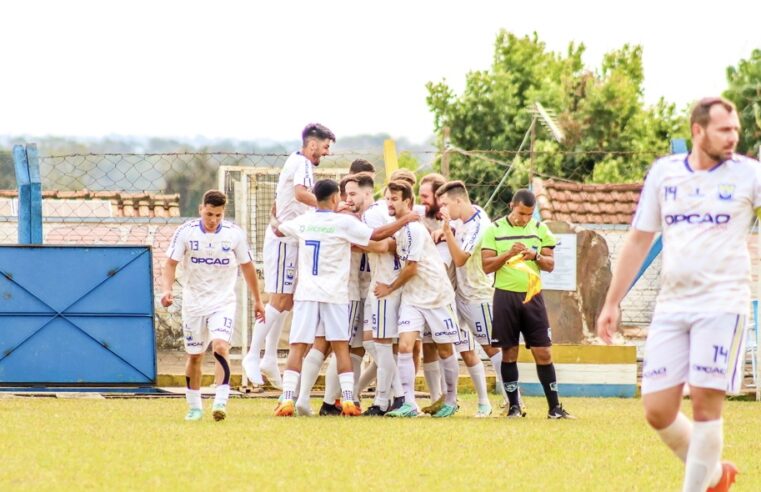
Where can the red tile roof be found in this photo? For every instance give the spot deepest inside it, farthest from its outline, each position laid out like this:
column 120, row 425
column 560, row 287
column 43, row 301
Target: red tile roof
column 586, row 203
column 122, row 204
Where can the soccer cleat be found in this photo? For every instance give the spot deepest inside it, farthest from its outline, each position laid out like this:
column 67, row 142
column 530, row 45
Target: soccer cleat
column 397, row 403
column 285, row 408
column 406, row 410
column 330, row 409
column 484, row 410
column 269, row 368
column 194, row 414
column 349, row 409
column 446, row 410
column 219, row 411
column 559, row 413
column 250, row 364
column 515, row 412
column 434, row 407
column 728, row 473
column 374, row 411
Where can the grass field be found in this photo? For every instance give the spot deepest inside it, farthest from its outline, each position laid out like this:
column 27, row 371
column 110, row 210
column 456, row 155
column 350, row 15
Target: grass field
column 67, row 444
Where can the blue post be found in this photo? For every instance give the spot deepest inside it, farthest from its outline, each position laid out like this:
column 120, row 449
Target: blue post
column 35, row 186
column 21, row 166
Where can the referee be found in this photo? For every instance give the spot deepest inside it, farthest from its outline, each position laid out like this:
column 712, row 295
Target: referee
column 519, row 233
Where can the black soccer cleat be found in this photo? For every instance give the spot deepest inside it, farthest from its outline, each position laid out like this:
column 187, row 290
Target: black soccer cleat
column 515, row 412
column 559, row 413
column 374, row 411
column 396, row 404
column 330, row 409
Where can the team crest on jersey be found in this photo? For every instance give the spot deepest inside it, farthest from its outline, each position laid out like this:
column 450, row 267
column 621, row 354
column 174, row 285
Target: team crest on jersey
column 226, row 245
column 290, row 273
column 726, row 191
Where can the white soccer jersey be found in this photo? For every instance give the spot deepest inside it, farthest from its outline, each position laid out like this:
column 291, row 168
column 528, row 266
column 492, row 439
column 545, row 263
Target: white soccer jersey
column 325, row 240
column 297, row 170
column 430, row 288
column 473, row 284
column 210, row 263
column 704, row 217
column 384, row 267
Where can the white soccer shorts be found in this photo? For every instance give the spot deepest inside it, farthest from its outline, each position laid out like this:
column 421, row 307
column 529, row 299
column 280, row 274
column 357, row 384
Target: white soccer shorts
column 355, row 322
column 442, row 322
column 198, row 331
column 706, row 350
column 381, row 316
column 280, row 257
column 313, row 318
column 477, row 317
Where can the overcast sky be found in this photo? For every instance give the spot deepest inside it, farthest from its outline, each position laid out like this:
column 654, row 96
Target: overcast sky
column 262, row 70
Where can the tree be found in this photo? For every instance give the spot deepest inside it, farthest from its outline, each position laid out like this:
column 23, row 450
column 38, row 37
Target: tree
column 745, row 91
column 610, row 135
column 191, row 181
column 7, row 171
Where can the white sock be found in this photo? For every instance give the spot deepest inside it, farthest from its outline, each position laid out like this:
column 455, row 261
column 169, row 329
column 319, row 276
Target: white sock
column 704, row 455
column 396, row 384
column 677, row 436
column 496, row 362
column 193, row 397
column 275, row 320
column 261, row 330
column 369, row 346
column 432, row 373
column 368, row 376
column 386, row 369
column 356, row 367
column 478, row 375
column 332, row 384
column 222, row 394
column 347, row 386
column 451, row 374
column 290, row 380
column 442, row 376
column 407, row 376
column 310, row 369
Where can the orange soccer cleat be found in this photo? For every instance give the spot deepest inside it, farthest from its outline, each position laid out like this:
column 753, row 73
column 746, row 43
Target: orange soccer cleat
column 349, row 409
column 285, row 409
column 728, row 473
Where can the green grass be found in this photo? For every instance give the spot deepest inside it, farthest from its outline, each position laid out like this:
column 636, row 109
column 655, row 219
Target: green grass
column 48, row 443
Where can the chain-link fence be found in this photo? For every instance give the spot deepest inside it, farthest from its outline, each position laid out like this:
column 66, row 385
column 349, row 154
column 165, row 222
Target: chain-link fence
column 142, row 198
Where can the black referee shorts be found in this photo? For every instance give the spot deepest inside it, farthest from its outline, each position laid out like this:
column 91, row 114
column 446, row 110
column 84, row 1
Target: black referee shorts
column 512, row 317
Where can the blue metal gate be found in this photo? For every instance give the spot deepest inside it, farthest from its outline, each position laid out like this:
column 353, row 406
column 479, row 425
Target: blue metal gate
column 76, row 315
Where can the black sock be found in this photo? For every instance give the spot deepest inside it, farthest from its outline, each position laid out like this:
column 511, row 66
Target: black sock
column 510, row 381
column 549, row 383
column 187, row 381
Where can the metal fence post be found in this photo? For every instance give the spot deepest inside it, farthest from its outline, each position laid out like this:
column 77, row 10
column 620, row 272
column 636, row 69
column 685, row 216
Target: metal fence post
column 21, row 166
column 35, row 188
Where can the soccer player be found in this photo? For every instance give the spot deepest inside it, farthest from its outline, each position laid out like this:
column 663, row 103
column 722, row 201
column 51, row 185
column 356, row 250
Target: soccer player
column 322, row 294
column 702, row 203
column 211, row 249
column 292, row 199
column 427, row 298
column 474, row 291
column 519, row 233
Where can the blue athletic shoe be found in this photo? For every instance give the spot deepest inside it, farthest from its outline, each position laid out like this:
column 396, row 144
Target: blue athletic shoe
column 194, row 414
column 406, row 410
column 446, row 410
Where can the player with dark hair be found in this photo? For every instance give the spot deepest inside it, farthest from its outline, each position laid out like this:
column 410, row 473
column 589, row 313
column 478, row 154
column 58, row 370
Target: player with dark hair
column 211, row 249
column 518, row 233
column 292, row 199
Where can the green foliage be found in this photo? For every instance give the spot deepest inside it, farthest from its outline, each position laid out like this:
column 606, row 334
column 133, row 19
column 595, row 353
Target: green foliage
column 7, row 172
column 192, row 182
column 611, row 135
column 745, row 91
